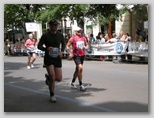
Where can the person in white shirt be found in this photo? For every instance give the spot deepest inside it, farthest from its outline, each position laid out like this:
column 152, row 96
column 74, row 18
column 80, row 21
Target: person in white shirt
column 113, row 39
column 102, row 39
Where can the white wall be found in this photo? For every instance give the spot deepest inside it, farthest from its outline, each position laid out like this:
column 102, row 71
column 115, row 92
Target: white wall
column 123, row 24
column 95, row 28
column 39, row 31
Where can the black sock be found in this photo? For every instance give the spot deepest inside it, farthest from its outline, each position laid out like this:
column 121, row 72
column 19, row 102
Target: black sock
column 51, row 93
column 80, row 83
column 73, row 80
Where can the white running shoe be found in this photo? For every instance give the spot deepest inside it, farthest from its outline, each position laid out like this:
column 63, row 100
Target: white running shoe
column 28, row 67
column 32, row 66
column 53, row 99
column 82, row 88
column 73, row 85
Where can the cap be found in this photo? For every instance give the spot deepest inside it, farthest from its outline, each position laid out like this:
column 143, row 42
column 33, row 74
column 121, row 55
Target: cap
column 77, row 28
column 53, row 22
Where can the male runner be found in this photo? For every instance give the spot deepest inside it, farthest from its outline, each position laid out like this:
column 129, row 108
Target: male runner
column 53, row 55
column 79, row 45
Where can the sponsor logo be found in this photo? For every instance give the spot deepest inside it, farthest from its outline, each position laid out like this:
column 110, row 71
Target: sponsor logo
column 119, row 48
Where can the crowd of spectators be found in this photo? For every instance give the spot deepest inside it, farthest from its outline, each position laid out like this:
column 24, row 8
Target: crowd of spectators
column 102, row 38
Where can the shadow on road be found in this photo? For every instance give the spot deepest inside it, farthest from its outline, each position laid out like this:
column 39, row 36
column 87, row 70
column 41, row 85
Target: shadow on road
column 17, row 66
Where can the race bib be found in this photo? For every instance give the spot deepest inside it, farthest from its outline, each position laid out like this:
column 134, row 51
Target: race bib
column 54, row 53
column 80, row 45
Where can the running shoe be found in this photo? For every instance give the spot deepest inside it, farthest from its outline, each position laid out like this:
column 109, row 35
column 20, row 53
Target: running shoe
column 53, row 99
column 32, row 66
column 28, row 67
column 47, row 79
column 73, row 85
column 82, row 88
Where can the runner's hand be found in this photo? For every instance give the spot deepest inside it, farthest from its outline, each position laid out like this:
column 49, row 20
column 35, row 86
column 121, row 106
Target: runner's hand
column 86, row 47
column 49, row 49
column 70, row 56
column 60, row 54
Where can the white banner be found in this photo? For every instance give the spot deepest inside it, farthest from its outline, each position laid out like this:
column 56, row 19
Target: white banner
column 138, row 49
column 31, row 27
column 119, row 48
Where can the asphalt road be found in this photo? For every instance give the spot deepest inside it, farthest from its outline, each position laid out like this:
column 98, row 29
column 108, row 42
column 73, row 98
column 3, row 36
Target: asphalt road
column 110, row 87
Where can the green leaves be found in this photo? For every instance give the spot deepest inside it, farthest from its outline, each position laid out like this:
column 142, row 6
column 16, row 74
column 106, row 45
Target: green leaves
column 17, row 14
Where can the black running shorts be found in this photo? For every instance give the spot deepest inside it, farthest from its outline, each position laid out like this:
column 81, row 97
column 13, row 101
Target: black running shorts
column 57, row 62
column 78, row 59
column 30, row 53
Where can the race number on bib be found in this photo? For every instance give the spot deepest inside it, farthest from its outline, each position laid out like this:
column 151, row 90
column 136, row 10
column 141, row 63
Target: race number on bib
column 80, row 45
column 54, row 53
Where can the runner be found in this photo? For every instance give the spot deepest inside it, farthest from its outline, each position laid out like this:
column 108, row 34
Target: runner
column 30, row 45
column 79, row 45
column 52, row 59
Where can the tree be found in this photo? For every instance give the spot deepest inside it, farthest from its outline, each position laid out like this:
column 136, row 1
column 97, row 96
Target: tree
column 103, row 12
column 59, row 11
column 15, row 15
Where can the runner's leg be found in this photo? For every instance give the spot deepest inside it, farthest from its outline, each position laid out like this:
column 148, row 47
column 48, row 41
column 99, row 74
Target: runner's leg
column 29, row 58
column 58, row 74
column 34, row 57
column 80, row 69
column 51, row 73
column 77, row 62
column 75, row 75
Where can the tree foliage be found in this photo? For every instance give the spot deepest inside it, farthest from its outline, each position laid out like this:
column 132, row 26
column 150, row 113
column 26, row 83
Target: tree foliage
column 15, row 15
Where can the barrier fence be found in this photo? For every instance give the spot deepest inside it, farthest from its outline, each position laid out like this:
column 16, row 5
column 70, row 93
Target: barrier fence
column 119, row 48
column 108, row 49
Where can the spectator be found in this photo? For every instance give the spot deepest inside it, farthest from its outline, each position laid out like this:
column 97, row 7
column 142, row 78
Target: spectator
column 91, row 39
column 113, row 39
column 107, row 37
column 8, row 47
column 128, row 37
column 146, row 39
column 102, row 39
column 138, row 37
column 123, row 37
column 120, row 35
column 97, row 39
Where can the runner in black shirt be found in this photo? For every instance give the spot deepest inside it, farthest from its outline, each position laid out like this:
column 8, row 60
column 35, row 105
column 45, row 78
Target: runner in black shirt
column 54, row 46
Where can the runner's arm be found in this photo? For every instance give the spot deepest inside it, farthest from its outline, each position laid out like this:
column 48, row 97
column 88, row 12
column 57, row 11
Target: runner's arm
column 68, row 45
column 26, row 43
column 41, row 43
column 86, row 44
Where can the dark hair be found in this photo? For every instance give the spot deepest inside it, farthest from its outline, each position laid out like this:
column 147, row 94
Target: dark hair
column 127, row 34
column 99, row 35
column 53, row 21
column 137, row 33
column 91, row 35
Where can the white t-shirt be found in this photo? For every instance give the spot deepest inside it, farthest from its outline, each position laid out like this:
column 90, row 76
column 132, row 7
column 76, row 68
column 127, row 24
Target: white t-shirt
column 113, row 40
